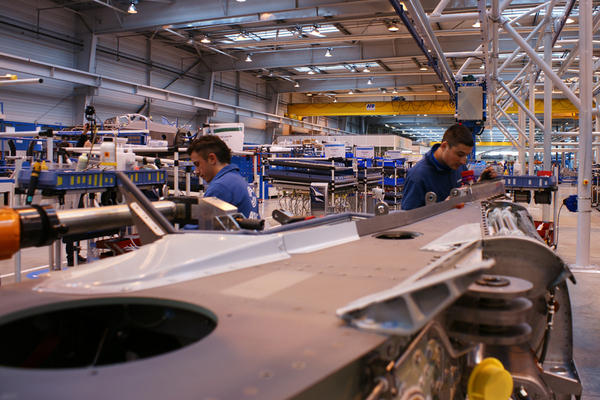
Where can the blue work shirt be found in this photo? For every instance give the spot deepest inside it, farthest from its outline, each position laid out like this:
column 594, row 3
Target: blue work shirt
column 428, row 175
column 228, row 185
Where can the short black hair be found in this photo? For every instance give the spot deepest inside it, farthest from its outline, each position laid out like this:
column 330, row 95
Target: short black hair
column 205, row 145
column 458, row 134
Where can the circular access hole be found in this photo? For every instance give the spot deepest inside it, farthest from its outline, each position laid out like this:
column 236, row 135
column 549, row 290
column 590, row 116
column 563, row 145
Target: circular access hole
column 101, row 332
column 398, row 235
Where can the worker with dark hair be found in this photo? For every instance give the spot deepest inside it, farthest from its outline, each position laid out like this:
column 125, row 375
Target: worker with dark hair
column 212, row 159
column 439, row 171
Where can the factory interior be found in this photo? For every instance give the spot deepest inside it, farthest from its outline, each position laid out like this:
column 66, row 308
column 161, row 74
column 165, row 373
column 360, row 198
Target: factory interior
column 119, row 278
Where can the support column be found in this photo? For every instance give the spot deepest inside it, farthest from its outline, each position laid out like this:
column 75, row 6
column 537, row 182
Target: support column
column 522, row 123
column 85, row 61
column 205, row 90
column 547, row 109
column 147, row 110
column 531, row 123
column 237, row 94
column 584, row 172
column 272, row 108
column 597, row 140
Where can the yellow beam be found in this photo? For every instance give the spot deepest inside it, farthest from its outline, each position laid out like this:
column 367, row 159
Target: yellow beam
column 561, row 108
column 487, row 144
column 437, row 107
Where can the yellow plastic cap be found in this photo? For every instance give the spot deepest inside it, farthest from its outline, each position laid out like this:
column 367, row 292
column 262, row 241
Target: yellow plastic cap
column 490, row 381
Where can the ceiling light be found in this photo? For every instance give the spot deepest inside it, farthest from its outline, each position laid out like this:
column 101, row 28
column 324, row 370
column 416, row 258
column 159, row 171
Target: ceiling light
column 570, row 20
column 477, row 24
column 367, row 69
column 205, row 39
column 383, row 90
column 354, row 69
column 132, row 9
column 392, row 27
column 297, row 31
column 439, row 90
column 249, row 57
column 309, row 94
column 296, row 84
column 191, row 39
column 395, row 90
column 351, row 91
column 423, row 67
column 335, row 99
column 482, row 66
column 328, row 53
column 241, row 36
column 271, row 74
column 240, row 1
column 315, row 30
column 311, row 71
column 370, row 81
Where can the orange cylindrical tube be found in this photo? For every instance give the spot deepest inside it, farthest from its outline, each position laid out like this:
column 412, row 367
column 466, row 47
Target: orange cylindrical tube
column 10, row 232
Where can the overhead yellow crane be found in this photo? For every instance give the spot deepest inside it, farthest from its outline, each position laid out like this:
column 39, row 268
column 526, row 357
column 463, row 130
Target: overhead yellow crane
column 561, row 108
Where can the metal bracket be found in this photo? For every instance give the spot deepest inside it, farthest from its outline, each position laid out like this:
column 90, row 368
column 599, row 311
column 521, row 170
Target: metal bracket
column 406, row 308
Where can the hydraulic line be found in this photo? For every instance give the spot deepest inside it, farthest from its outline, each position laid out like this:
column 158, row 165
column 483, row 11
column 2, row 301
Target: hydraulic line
column 41, row 225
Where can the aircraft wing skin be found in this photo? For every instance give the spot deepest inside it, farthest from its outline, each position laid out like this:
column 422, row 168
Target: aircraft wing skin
column 278, row 332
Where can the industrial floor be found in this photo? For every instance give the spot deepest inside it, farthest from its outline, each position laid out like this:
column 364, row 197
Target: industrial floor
column 585, row 295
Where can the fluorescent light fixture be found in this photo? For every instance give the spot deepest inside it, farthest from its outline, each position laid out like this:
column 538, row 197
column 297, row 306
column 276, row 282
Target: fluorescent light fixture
column 240, row 1
column 249, row 57
column 132, row 9
column 296, row 84
column 367, row 70
column 328, row 52
column 370, row 81
column 205, row 39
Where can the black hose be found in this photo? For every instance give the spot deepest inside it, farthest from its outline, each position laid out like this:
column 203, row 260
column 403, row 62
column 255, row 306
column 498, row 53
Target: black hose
column 255, row 224
column 556, row 227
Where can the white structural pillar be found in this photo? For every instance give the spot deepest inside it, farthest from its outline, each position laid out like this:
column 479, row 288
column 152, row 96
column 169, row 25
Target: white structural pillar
column 522, row 139
column 531, row 122
column 597, row 140
column 547, row 109
column 584, row 173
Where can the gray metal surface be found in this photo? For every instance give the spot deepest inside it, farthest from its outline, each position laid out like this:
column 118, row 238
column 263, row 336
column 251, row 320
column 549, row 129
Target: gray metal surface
column 277, row 334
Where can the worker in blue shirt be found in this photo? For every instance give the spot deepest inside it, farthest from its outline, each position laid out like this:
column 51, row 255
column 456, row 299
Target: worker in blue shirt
column 439, row 171
column 212, row 159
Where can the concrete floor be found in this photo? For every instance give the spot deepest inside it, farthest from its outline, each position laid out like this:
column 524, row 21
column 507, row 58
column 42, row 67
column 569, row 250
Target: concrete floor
column 585, row 295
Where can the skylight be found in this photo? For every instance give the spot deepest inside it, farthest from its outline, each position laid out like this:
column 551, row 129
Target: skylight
column 283, row 33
